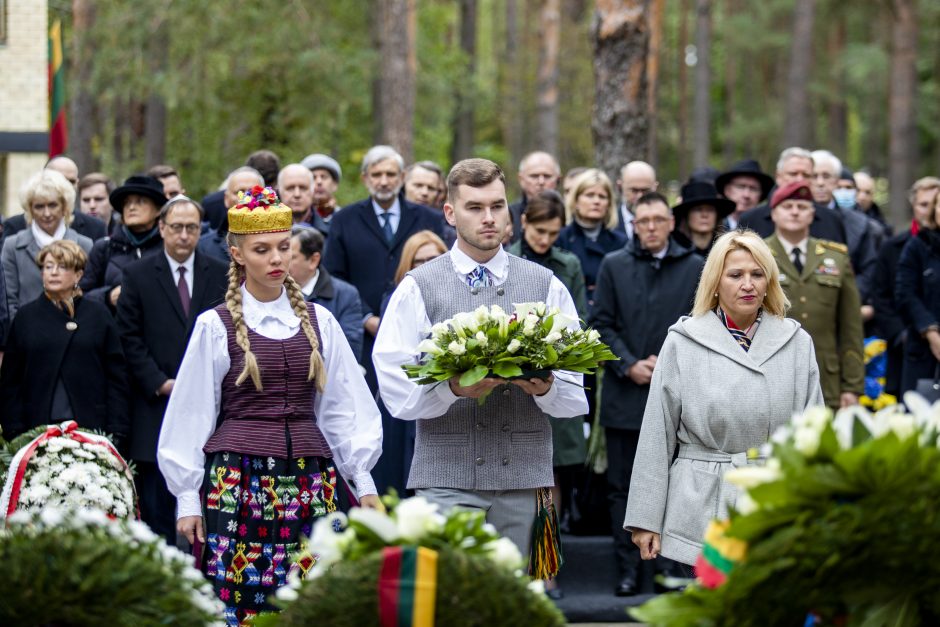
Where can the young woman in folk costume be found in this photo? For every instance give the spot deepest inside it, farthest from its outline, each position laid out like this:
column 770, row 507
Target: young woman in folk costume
column 268, row 402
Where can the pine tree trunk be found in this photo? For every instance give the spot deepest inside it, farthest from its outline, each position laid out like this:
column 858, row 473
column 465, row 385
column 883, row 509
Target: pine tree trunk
column 509, row 81
column 838, row 108
column 683, row 81
column 796, row 130
column 158, row 49
column 701, row 116
column 462, row 147
column 902, row 120
column 652, row 74
column 732, row 140
column 620, row 37
column 547, row 94
column 395, row 107
column 83, row 122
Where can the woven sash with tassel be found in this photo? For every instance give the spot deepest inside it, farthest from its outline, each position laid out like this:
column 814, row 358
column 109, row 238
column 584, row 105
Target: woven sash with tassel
column 407, row 586
column 546, row 558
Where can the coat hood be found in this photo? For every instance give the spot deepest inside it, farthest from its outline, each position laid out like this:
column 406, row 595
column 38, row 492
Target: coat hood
column 773, row 334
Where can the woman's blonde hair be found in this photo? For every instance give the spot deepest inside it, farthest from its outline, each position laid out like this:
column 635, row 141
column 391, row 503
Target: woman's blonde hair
column 233, row 302
column 590, row 178
column 410, row 249
column 48, row 185
column 706, row 299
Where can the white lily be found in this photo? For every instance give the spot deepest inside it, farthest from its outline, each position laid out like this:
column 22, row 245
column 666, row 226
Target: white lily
column 377, row 521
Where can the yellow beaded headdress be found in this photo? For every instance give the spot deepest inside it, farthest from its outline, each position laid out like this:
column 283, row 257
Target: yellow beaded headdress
column 259, row 210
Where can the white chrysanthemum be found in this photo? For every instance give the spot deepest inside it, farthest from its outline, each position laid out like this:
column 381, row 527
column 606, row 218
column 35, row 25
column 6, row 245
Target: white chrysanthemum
column 504, row 552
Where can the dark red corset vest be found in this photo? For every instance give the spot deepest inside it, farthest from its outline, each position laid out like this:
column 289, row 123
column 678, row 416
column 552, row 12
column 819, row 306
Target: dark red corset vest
column 278, row 421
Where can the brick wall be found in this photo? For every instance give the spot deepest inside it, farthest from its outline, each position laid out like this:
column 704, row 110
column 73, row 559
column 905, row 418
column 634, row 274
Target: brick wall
column 24, row 92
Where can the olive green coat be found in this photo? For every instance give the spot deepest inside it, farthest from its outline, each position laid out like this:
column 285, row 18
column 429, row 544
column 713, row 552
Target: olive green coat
column 824, row 300
column 568, row 444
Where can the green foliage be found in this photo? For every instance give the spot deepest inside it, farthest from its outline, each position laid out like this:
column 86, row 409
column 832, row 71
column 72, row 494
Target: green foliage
column 470, row 592
column 81, row 570
column 849, row 529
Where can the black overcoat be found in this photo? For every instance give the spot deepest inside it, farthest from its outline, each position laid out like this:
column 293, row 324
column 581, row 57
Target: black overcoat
column 89, row 359
column 154, row 332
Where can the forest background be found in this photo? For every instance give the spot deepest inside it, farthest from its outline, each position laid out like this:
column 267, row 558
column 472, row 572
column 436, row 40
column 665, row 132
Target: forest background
column 679, row 83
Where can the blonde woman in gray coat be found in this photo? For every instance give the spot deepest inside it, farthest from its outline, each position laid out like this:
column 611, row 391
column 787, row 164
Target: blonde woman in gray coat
column 726, row 378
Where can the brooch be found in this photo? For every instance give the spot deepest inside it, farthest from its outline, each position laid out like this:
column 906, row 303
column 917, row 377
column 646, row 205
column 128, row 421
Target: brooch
column 71, row 325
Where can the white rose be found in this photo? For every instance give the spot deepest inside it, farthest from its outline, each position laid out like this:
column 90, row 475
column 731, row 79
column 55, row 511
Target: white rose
column 752, row 476
column 806, row 440
column 593, row 335
column 416, row 517
column 514, row 345
column 439, row 329
column 377, row 521
column 497, row 312
column 481, row 338
column 467, row 323
column 745, row 504
column 429, row 346
column 457, row 348
column 481, row 314
column 504, row 552
column 552, row 337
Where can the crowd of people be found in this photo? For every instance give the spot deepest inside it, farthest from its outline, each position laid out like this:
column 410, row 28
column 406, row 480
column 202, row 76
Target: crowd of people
column 174, row 324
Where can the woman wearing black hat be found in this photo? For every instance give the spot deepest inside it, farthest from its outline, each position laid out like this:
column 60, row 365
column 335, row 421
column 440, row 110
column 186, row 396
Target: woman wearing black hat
column 699, row 216
column 138, row 201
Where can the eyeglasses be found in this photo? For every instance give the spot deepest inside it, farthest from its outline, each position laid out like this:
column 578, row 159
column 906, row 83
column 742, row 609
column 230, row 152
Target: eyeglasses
column 639, row 191
column 657, row 221
column 192, row 229
column 53, row 267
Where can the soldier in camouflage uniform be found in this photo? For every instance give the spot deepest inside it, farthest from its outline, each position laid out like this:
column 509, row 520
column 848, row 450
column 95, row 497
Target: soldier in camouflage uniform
column 817, row 277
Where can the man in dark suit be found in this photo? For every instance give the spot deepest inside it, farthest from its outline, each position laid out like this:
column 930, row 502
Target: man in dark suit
column 641, row 290
column 89, row 226
column 794, row 164
column 366, row 238
column 295, row 187
column 636, row 178
column 161, row 296
column 339, row 297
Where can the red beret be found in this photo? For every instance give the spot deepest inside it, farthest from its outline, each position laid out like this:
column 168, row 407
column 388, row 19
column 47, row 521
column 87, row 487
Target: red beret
column 797, row 190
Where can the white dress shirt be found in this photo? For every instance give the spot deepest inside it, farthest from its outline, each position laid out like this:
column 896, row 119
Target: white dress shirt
column 406, row 324
column 189, row 264
column 394, row 214
column 626, row 217
column 346, row 412
column 308, row 287
column 788, row 248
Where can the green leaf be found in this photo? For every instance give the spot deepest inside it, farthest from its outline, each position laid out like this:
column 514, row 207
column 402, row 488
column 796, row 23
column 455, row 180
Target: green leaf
column 473, row 376
column 506, row 369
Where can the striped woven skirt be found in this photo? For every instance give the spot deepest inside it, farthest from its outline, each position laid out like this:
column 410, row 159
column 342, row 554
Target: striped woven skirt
column 258, row 510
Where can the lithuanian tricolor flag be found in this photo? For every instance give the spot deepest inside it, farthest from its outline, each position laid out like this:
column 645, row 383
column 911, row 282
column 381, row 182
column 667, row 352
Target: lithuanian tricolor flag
column 407, row 586
column 58, row 137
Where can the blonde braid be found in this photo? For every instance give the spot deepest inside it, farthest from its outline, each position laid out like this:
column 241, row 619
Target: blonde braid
column 317, row 372
column 233, row 301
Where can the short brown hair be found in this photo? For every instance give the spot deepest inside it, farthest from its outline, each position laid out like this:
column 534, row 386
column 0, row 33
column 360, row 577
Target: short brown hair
column 546, row 205
column 64, row 252
column 95, row 178
column 162, row 171
column 472, row 172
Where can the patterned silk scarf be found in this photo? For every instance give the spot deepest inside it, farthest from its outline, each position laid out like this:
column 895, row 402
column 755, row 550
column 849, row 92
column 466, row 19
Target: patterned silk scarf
column 742, row 337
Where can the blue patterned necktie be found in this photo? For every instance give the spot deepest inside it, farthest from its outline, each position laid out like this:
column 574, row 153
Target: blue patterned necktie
column 387, row 227
column 479, row 277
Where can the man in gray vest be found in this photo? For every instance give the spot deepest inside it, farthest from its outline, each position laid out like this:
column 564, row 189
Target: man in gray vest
column 491, row 457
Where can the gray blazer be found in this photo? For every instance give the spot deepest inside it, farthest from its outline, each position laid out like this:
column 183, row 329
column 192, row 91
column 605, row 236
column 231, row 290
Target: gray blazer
column 714, row 401
column 20, row 270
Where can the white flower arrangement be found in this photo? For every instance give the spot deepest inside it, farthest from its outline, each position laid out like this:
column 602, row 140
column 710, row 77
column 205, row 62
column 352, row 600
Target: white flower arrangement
column 65, row 467
column 489, row 342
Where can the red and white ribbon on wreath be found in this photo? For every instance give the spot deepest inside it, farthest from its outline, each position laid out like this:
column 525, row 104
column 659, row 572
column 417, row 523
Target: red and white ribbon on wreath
column 69, row 429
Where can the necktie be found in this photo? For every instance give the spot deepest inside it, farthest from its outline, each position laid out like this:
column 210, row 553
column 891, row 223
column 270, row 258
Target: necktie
column 479, row 277
column 797, row 261
column 387, row 227
column 183, row 287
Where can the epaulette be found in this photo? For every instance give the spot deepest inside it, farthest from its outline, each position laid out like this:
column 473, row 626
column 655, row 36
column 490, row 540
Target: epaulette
column 836, row 246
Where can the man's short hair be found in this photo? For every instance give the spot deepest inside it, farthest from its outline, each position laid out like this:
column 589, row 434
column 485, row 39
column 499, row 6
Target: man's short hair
column 472, row 172
column 824, row 157
column 649, row 198
column 430, row 166
column 95, row 178
column 380, row 153
column 267, row 163
column 162, row 171
column 792, row 153
column 538, row 153
column 311, row 240
column 922, row 184
column 176, row 201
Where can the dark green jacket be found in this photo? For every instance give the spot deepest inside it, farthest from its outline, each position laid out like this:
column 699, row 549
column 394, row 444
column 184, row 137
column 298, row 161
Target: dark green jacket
column 567, row 269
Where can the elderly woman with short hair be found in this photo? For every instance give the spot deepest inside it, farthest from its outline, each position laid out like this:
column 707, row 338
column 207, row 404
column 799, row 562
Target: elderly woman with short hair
column 63, row 358
column 726, row 378
column 47, row 199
